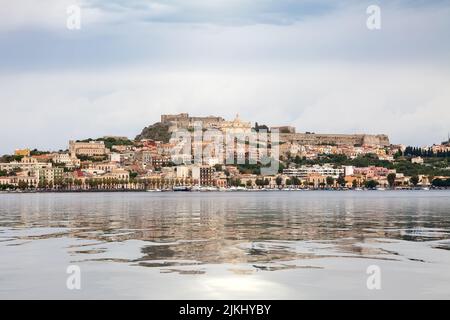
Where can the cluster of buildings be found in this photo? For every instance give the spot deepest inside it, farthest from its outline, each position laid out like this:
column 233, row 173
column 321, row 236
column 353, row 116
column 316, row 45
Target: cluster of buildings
column 312, row 151
column 151, row 164
column 317, row 176
column 30, row 171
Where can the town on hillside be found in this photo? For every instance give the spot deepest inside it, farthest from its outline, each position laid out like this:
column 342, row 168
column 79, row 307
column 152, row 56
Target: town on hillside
column 305, row 161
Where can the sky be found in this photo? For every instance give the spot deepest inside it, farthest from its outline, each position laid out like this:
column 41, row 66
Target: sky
column 312, row 64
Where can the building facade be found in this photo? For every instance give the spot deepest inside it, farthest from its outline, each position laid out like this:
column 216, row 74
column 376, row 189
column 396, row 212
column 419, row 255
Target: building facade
column 90, row 149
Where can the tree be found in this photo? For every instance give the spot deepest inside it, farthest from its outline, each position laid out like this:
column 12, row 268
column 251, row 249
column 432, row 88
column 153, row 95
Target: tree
column 441, row 183
column 391, row 179
column 371, row 184
column 235, row 182
column 330, row 181
column 78, row 183
column 414, row 180
column 278, row 181
column 133, row 175
column 341, row 180
column 23, row 185
column 281, row 167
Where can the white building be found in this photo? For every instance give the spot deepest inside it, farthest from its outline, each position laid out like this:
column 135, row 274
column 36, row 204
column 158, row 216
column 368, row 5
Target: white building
column 26, row 164
column 183, row 172
column 348, row 170
column 115, row 157
column 304, row 171
column 417, row 160
column 66, row 159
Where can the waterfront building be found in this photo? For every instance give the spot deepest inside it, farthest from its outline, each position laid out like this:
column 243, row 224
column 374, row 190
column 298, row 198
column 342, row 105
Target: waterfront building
column 25, row 164
column 373, row 171
column 316, row 180
column 30, row 181
column 304, row 171
column 356, row 180
column 248, row 179
column 183, row 172
column 203, row 175
column 50, row 175
column 348, row 170
column 220, row 179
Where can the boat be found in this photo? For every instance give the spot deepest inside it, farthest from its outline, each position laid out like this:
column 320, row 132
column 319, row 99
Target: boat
column 206, row 188
column 181, row 188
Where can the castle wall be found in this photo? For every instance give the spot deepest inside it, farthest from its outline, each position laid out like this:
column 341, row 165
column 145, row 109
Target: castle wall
column 335, row 139
column 183, row 120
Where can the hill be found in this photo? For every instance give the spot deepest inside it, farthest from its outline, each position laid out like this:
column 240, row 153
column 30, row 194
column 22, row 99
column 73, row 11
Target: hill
column 158, row 131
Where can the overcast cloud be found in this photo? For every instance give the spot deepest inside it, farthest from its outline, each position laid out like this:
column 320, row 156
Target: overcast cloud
column 312, row 64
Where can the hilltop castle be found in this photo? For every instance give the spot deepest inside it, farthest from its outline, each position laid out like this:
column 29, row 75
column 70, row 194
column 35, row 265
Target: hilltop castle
column 288, row 134
column 184, row 121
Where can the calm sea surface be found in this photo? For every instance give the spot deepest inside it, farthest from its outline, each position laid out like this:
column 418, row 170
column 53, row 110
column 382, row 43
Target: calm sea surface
column 224, row 245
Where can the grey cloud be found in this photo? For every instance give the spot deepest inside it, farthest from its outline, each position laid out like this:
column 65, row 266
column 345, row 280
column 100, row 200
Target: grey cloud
column 228, row 12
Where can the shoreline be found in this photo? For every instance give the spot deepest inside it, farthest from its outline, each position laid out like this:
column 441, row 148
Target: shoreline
column 210, row 191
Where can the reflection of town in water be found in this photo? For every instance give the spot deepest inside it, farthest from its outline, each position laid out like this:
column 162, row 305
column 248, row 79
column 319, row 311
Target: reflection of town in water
column 195, row 229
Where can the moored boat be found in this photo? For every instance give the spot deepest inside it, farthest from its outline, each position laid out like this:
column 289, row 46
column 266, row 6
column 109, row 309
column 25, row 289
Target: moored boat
column 181, row 188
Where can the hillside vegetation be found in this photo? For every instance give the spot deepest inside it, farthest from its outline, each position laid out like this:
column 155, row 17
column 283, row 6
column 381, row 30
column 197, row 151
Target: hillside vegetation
column 157, row 131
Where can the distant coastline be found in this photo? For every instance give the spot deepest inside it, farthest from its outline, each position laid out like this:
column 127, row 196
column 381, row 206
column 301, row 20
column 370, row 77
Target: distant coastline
column 218, row 191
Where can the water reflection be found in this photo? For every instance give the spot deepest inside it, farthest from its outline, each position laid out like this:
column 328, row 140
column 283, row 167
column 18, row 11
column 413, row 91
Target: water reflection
column 263, row 230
